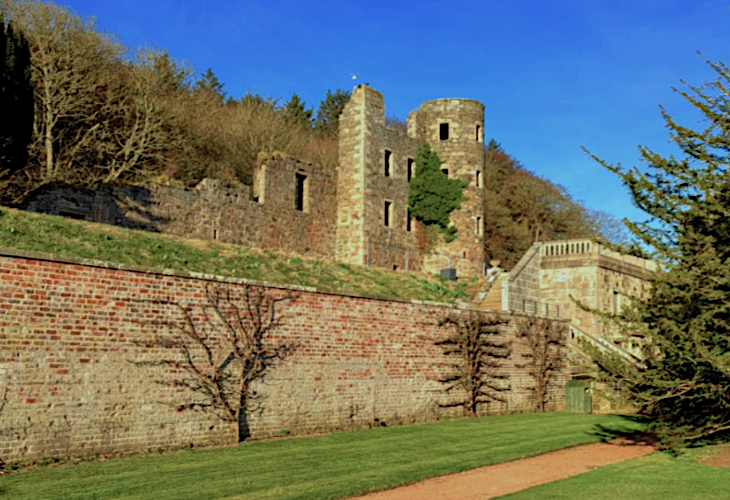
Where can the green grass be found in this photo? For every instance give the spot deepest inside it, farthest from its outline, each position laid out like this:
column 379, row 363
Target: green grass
column 58, row 235
column 321, row 467
column 658, row 476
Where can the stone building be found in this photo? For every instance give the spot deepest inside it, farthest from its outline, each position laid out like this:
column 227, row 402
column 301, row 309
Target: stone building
column 553, row 275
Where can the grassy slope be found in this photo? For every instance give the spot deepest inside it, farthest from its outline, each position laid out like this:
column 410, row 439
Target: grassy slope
column 658, row 476
column 321, row 467
column 61, row 236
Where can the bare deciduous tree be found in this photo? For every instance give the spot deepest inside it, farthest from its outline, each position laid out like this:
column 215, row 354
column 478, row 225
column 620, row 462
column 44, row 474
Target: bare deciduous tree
column 474, row 349
column 545, row 348
column 69, row 57
column 220, row 357
column 137, row 133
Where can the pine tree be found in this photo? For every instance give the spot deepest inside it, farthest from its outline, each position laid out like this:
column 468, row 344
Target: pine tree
column 209, row 83
column 433, row 196
column 294, row 110
column 16, row 99
column 493, row 145
column 685, row 381
column 328, row 114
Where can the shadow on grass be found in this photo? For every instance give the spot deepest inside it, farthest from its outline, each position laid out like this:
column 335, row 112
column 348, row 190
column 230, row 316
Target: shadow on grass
column 632, row 431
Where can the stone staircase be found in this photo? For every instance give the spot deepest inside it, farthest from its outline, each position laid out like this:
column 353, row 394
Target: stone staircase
column 577, row 336
column 490, row 298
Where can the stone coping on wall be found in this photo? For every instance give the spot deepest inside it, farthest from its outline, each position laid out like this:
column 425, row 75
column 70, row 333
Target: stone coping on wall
column 63, row 259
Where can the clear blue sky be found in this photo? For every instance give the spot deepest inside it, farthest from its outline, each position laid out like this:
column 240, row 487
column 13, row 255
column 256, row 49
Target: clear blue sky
column 553, row 75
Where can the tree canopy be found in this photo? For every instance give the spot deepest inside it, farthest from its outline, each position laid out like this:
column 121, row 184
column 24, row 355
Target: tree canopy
column 328, row 113
column 16, row 98
column 521, row 208
column 685, row 383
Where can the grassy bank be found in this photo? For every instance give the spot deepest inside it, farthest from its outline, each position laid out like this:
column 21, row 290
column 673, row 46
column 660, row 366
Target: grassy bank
column 658, row 476
column 323, row 467
column 58, row 235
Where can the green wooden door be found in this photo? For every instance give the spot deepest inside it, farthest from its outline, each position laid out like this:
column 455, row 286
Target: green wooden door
column 578, row 396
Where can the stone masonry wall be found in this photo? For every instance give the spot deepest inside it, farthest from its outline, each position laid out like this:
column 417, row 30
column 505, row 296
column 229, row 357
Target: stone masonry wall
column 364, row 187
column 599, row 278
column 524, row 283
column 463, row 156
column 263, row 216
column 71, row 332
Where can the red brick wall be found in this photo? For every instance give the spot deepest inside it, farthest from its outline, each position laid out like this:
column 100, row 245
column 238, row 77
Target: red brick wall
column 70, row 333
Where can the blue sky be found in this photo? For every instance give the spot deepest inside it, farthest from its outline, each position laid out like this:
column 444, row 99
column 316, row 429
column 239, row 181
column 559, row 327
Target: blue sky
column 553, row 75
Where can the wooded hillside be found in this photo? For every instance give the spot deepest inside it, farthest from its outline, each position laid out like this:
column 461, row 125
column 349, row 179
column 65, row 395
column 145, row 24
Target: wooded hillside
column 106, row 113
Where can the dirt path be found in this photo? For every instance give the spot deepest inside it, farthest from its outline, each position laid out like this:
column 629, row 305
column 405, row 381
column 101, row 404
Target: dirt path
column 497, row 480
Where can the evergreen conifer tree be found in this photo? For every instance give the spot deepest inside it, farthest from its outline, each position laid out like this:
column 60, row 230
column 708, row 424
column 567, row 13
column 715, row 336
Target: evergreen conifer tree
column 209, row 83
column 685, row 381
column 330, row 109
column 433, row 196
column 16, row 99
column 294, row 110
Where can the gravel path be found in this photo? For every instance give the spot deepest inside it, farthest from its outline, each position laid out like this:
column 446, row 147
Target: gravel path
column 501, row 479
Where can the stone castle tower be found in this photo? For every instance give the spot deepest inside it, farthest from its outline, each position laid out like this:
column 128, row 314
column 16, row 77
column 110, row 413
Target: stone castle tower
column 376, row 162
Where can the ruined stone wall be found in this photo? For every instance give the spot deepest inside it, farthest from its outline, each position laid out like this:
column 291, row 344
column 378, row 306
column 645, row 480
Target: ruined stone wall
column 343, row 216
column 71, row 332
column 263, row 216
column 365, row 185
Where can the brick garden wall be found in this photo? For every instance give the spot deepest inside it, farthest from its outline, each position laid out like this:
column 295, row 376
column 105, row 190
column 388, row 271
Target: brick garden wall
column 71, row 330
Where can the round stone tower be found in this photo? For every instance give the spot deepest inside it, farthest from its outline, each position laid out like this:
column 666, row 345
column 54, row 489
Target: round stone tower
column 455, row 130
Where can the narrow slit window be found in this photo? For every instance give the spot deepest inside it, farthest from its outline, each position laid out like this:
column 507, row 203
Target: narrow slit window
column 478, row 131
column 409, row 221
column 478, row 178
column 479, row 226
column 301, row 192
column 410, row 168
column 444, row 131
column 386, row 171
column 386, row 214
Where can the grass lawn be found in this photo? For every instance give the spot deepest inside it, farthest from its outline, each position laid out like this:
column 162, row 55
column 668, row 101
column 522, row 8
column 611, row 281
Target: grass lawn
column 321, row 467
column 58, row 235
column 658, row 476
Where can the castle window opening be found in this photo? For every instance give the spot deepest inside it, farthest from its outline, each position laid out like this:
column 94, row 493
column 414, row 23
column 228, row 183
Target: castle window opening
column 463, row 255
column 409, row 221
column 445, row 171
column 444, row 131
column 386, row 213
column 478, row 178
column 479, row 226
column 302, row 188
column 478, row 131
column 215, row 234
column 386, row 172
column 410, row 168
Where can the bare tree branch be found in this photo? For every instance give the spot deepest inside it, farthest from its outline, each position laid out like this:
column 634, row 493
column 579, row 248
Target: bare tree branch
column 223, row 352
column 474, row 349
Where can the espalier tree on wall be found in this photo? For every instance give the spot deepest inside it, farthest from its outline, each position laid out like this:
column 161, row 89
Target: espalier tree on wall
column 433, row 196
column 16, row 99
column 685, row 321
